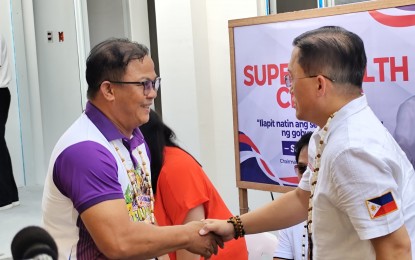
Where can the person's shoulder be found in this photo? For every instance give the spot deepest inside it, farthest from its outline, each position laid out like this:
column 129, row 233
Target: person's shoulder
column 84, row 160
column 85, row 152
column 81, row 130
column 181, row 161
column 177, row 154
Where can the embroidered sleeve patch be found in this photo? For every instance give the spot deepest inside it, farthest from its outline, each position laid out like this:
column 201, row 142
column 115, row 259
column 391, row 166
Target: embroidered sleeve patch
column 382, row 205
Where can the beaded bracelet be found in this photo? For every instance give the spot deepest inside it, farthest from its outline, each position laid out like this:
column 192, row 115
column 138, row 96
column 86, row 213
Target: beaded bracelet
column 237, row 226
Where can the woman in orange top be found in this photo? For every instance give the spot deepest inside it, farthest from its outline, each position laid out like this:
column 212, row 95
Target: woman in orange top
column 183, row 192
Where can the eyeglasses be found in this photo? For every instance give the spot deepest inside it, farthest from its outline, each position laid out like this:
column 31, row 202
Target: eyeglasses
column 300, row 168
column 289, row 80
column 148, row 84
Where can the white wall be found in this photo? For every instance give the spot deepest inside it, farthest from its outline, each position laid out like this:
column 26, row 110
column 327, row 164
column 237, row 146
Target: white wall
column 60, row 90
column 139, row 22
column 177, row 70
column 194, row 60
column 105, row 17
column 31, row 117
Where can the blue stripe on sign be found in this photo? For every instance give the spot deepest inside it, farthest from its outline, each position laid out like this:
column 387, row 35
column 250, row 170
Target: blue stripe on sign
column 288, row 147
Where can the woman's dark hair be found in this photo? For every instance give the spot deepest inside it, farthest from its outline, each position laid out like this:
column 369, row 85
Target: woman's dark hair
column 108, row 60
column 158, row 136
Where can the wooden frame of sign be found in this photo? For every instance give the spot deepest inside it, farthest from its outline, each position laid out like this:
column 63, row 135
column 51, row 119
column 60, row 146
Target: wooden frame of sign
column 243, row 186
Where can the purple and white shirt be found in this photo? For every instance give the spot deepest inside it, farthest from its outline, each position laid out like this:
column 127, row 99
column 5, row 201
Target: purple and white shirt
column 84, row 170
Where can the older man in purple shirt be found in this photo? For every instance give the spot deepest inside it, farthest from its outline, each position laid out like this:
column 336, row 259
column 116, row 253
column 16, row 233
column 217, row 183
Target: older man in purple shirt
column 98, row 200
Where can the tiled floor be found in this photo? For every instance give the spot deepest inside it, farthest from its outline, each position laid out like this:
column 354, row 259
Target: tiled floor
column 12, row 220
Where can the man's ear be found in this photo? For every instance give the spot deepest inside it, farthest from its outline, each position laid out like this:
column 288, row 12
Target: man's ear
column 323, row 85
column 107, row 90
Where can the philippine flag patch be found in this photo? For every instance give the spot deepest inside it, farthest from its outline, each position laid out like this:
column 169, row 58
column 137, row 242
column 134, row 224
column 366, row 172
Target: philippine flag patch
column 382, row 205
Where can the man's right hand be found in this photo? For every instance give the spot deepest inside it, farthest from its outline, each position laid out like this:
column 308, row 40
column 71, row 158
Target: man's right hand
column 205, row 245
column 220, row 227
